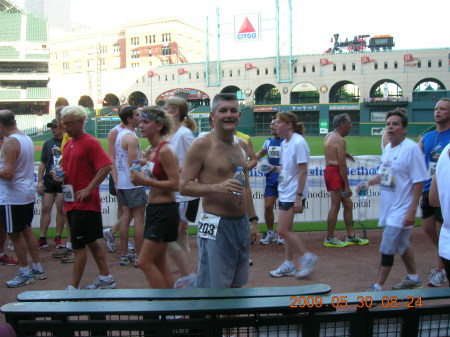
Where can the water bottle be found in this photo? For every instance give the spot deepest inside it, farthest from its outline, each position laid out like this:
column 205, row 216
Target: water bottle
column 136, row 166
column 59, row 173
column 362, row 191
column 239, row 176
column 264, row 165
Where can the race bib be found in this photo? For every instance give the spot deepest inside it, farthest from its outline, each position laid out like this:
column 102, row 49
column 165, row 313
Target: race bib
column 431, row 168
column 68, row 194
column 274, row 152
column 208, row 226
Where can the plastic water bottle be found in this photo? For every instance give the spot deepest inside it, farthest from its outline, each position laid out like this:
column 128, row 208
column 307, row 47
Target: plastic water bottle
column 58, row 172
column 136, row 166
column 362, row 191
column 239, row 176
column 264, row 165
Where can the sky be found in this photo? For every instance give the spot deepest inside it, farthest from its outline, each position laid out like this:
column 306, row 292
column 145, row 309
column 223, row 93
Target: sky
column 423, row 24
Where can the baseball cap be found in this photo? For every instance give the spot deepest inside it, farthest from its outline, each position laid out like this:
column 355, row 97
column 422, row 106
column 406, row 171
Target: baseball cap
column 53, row 123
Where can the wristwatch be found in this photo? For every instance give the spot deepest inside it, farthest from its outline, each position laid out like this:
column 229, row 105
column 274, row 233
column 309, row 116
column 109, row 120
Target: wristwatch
column 300, row 194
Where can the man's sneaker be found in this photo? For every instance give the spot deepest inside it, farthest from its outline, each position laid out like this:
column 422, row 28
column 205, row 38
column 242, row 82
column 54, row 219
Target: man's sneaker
column 42, row 244
column 269, row 238
column 109, row 238
column 280, row 240
column 334, row 242
column 39, row 274
column 61, row 252
column 307, row 263
column 69, row 258
column 407, row 283
column 436, row 278
column 356, row 240
column 59, row 243
column 69, row 287
column 127, row 259
column 8, row 260
column 372, row 288
column 130, row 246
column 21, row 279
column 283, row 270
column 186, row 282
column 99, row 284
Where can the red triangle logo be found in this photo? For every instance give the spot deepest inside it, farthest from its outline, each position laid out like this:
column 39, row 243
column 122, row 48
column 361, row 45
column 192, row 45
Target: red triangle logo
column 246, row 27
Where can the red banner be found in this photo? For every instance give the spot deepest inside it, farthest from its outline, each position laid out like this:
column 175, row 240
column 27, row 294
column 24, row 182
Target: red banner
column 151, row 73
column 408, row 58
column 182, row 71
column 366, row 59
column 324, row 62
column 249, row 66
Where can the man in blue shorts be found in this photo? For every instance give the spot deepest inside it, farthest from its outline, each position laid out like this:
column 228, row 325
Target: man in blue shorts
column 271, row 147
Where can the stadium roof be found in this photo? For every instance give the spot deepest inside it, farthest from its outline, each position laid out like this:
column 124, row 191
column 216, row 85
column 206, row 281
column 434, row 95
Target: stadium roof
column 7, row 6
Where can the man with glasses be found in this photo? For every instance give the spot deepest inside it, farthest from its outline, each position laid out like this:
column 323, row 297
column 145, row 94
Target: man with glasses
column 337, row 183
column 85, row 166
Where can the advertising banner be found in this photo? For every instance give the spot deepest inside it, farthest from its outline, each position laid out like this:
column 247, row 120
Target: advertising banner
column 317, row 202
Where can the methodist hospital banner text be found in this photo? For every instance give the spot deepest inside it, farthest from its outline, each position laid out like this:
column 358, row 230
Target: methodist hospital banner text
column 317, row 203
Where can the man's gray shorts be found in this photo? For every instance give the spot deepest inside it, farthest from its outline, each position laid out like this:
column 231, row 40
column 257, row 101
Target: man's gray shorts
column 395, row 240
column 133, row 197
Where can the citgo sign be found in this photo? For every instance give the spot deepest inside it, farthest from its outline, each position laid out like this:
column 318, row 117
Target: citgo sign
column 246, row 27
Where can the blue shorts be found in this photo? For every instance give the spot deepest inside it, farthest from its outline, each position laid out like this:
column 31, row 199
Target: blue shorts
column 271, row 185
column 223, row 263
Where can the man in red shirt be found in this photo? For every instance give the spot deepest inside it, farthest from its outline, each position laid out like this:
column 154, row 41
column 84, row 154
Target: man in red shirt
column 85, row 166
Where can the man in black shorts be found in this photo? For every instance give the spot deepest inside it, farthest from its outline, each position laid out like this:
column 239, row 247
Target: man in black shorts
column 49, row 189
column 17, row 193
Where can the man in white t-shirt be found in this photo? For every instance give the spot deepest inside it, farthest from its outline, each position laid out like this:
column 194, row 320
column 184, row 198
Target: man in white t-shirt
column 401, row 175
column 440, row 197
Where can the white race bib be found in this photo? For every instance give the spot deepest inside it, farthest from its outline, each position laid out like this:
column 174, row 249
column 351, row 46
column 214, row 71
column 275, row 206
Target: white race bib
column 208, row 226
column 68, row 194
column 387, row 178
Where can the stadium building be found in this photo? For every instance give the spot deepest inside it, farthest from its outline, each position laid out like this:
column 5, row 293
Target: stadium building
column 24, row 61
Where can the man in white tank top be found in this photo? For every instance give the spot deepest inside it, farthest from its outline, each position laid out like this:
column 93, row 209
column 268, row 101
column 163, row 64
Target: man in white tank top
column 132, row 198
column 17, row 192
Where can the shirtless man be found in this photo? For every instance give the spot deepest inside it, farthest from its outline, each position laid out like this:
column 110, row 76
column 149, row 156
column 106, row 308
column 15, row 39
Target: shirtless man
column 337, row 183
column 210, row 164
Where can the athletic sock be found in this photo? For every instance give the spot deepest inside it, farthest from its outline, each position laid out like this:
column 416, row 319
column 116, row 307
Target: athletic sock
column 25, row 270
column 37, row 266
column 69, row 245
column 414, row 277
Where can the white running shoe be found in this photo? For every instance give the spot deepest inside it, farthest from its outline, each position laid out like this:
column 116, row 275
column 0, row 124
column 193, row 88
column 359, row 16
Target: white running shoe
column 99, row 284
column 269, row 238
column 109, row 238
column 307, row 263
column 283, row 270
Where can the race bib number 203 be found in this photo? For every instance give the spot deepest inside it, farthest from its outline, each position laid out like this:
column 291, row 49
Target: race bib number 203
column 208, row 226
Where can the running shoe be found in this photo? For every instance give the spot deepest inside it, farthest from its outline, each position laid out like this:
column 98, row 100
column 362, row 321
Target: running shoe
column 125, row 260
column 109, row 238
column 372, row 288
column 42, row 244
column 110, row 283
column 283, row 270
column 59, row 243
column 61, row 252
column 269, row 238
column 69, row 258
column 20, row 280
column 280, row 240
column 407, row 283
column 436, row 278
column 356, row 240
column 69, row 287
column 39, row 274
column 8, row 260
column 307, row 263
column 334, row 242
column 186, row 282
